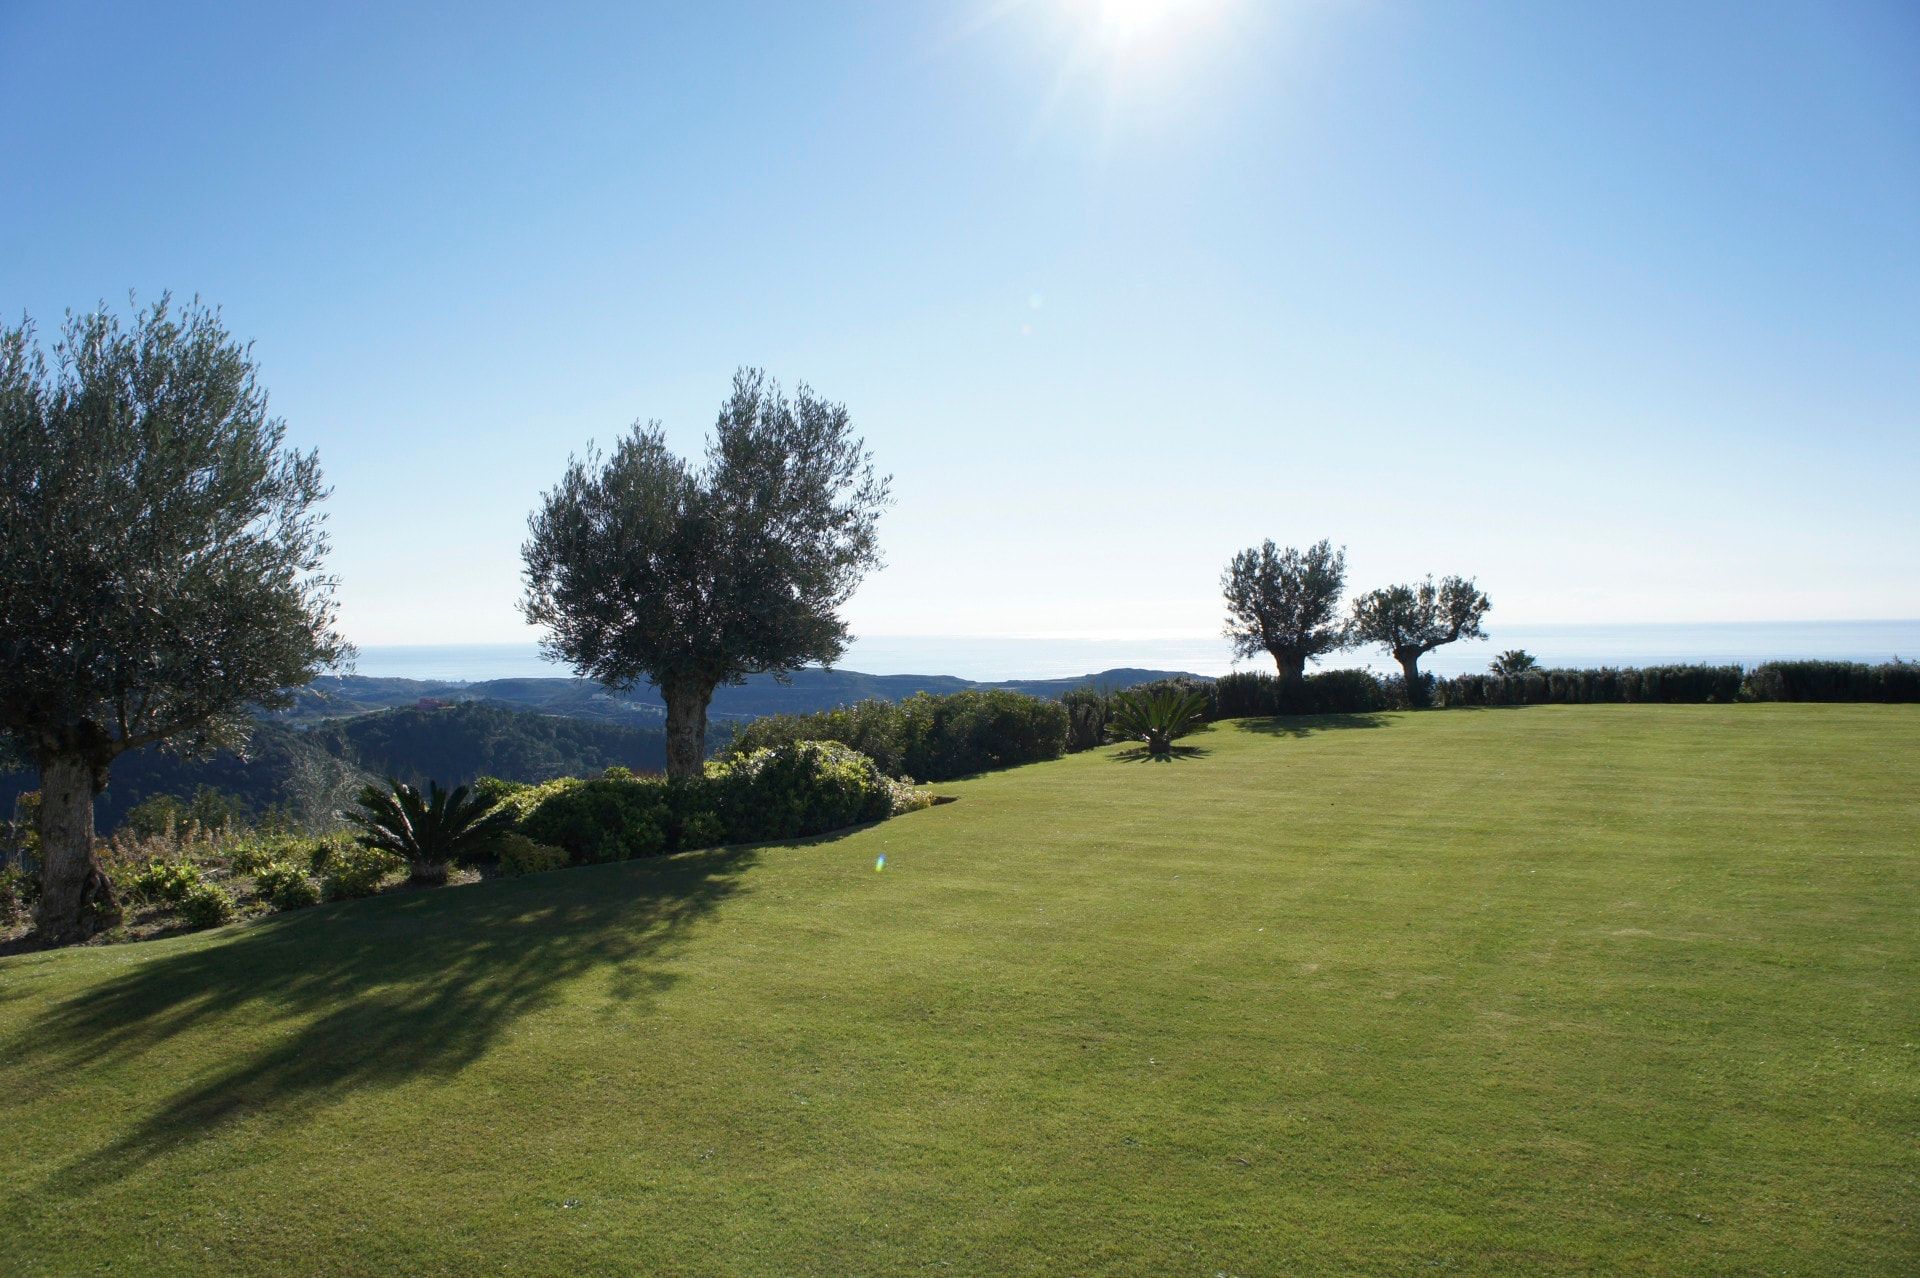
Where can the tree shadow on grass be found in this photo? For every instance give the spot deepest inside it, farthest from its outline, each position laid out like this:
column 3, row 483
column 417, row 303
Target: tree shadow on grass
column 1305, row 725
column 370, row 993
column 1140, row 754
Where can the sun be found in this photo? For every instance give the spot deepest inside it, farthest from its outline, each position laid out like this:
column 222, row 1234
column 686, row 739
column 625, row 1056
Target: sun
column 1125, row 22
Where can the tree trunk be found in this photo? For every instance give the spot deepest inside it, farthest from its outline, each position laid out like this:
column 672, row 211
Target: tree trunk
column 1292, row 666
column 76, row 898
column 1410, row 670
column 686, row 726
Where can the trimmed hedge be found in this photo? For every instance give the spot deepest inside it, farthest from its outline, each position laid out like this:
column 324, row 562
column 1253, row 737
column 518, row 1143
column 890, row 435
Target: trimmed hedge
column 1834, row 681
column 1250, row 693
column 1668, row 684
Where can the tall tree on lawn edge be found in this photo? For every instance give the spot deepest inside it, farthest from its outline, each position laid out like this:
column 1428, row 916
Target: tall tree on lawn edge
column 640, row 567
column 1286, row 603
column 1411, row 621
column 160, row 566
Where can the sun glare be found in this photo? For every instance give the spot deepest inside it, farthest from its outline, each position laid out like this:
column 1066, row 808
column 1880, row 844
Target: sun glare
column 1124, row 22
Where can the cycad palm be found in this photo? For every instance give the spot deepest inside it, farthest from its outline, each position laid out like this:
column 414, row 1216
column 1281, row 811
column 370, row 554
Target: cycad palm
column 428, row 830
column 1157, row 718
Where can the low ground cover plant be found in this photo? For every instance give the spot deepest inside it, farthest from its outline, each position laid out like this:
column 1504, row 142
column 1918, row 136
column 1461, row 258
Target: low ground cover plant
column 206, row 905
column 356, row 870
column 160, row 882
column 18, row 890
column 521, row 855
column 284, row 885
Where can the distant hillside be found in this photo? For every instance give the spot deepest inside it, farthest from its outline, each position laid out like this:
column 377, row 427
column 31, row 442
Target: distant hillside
column 812, row 689
column 284, row 771
column 454, row 744
column 307, row 762
column 309, row 774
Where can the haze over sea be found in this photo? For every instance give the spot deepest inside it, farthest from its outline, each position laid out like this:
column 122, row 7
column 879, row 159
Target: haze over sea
column 1016, row 657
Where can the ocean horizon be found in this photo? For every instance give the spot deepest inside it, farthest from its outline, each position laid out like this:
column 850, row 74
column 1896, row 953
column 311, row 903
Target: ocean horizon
column 994, row 658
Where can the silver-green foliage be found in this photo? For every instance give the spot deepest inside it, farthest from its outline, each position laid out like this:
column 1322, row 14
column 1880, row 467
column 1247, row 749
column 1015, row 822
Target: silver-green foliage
column 1411, row 621
column 1286, row 603
column 160, row 562
column 642, row 567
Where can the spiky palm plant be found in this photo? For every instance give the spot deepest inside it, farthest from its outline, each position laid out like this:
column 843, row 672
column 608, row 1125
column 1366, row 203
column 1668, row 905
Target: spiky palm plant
column 429, row 830
column 1514, row 661
column 1157, row 718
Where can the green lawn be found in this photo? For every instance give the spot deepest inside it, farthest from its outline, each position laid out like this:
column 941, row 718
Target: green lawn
column 1611, row 989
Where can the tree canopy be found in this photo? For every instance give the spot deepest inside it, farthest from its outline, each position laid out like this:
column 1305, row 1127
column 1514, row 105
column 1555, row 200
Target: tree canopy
column 160, row 558
column 642, row 567
column 1286, row 603
column 1411, row 621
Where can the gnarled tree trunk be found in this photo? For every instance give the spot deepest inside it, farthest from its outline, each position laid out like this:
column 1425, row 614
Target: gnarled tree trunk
column 687, row 701
column 1291, row 666
column 76, row 898
column 1409, row 659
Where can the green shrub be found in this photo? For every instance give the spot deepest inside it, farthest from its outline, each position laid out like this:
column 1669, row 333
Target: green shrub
column 154, row 817
column 791, row 790
column 354, row 871
column 801, row 789
column 496, row 790
column 161, row 882
column 521, row 855
column 873, row 727
column 18, row 892
column 937, row 737
column 606, row 819
column 701, row 830
column 260, row 849
column 1086, row 718
column 904, row 796
column 320, row 850
column 205, row 905
column 284, row 885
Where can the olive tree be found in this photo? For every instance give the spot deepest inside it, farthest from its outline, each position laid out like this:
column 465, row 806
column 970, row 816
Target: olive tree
column 1286, row 603
column 641, row 567
column 1411, row 621
column 160, row 565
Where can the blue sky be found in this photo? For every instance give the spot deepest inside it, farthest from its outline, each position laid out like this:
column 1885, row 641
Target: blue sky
column 1612, row 306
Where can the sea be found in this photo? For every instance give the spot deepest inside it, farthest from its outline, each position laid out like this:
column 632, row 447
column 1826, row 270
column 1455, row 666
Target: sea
column 992, row 658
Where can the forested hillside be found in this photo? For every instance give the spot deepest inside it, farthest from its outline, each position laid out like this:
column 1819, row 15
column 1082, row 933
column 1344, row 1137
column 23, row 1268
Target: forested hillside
column 305, row 763
column 306, row 775
column 454, row 744
column 337, row 696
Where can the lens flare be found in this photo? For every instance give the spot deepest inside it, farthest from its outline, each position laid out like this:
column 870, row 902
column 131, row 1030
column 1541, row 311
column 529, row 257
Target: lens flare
column 880, row 863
